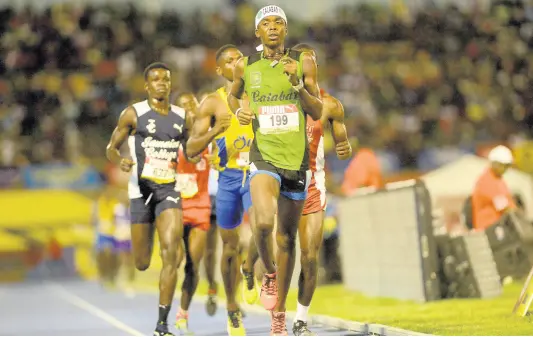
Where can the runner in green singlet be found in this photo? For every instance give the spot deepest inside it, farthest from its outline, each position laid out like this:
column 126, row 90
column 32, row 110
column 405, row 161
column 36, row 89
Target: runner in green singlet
column 282, row 88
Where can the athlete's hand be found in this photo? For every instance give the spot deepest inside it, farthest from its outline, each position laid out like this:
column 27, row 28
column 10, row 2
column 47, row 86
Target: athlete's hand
column 344, row 150
column 126, row 164
column 222, row 122
column 195, row 159
column 245, row 116
column 290, row 67
column 214, row 161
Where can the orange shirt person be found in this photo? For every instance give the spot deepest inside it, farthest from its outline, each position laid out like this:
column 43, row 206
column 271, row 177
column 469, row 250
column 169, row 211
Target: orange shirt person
column 364, row 171
column 491, row 197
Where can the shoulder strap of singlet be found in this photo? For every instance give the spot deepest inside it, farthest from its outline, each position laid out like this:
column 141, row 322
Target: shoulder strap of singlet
column 141, row 108
column 254, row 58
column 222, row 93
column 295, row 54
column 177, row 110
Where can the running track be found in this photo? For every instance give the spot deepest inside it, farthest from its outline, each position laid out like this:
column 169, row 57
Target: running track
column 80, row 308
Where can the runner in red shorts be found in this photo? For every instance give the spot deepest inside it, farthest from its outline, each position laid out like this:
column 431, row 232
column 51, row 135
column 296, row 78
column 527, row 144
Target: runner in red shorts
column 192, row 181
column 311, row 226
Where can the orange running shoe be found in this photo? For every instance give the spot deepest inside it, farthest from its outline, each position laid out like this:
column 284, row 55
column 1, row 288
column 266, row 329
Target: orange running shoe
column 269, row 291
column 278, row 327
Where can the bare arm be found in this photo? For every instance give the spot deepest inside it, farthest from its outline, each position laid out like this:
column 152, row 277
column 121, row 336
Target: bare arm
column 334, row 112
column 201, row 134
column 310, row 93
column 333, row 115
column 127, row 123
column 237, row 89
column 189, row 122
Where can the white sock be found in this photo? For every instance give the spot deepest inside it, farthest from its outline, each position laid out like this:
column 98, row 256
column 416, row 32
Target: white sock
column 301, row 313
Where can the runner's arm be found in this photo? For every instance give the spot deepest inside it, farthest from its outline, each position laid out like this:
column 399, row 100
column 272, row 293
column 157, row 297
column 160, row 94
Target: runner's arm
column 127, row 123
column 237, row 88
column 189, row 122
column 335, row 116
column 310, row 93
column 202, row 133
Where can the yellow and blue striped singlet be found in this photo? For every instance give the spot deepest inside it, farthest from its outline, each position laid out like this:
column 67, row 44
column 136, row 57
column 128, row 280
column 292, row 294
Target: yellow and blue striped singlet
column 233, row 145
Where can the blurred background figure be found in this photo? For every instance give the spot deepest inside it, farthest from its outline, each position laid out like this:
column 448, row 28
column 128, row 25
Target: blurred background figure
column 105, row 245
column 125, row 263
column 491, row 197
column 363, row 171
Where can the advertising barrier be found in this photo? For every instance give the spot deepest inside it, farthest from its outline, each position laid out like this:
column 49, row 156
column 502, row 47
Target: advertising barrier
column 10, row 177
column 61, row 176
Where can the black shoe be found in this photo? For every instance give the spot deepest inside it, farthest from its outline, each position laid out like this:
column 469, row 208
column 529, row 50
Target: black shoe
column 299, row 328
column 162, row 330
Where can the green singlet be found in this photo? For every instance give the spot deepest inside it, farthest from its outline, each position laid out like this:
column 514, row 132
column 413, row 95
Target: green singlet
column 280, row 122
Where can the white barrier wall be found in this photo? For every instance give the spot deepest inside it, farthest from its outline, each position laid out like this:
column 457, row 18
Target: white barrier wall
column 386, row 243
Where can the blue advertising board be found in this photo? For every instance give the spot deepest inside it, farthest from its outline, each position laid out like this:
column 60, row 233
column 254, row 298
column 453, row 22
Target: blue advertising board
column 61, row 176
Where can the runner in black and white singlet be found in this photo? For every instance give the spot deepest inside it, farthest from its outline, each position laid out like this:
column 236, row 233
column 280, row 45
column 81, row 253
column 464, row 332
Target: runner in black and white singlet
column 155, row 129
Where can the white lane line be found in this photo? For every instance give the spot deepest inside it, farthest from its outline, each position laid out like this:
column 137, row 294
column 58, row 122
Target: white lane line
column 93, row 310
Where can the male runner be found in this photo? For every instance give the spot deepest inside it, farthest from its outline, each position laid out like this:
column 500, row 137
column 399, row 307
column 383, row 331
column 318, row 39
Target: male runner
column 311, row 229
column 192, row 183
column 189, row 102
column 155, row 129
column 233, row 143
column 282, row 88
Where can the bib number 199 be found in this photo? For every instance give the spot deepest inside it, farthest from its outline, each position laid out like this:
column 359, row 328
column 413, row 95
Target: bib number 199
column 279, row 120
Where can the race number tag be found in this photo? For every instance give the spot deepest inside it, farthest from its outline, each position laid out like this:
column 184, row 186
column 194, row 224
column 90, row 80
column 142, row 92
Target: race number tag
column 244, row 159
column 279, row 119
column 158, row 170
column 186, row 185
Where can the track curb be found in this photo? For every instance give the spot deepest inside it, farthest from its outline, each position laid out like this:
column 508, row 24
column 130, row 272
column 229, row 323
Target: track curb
column 372, row 329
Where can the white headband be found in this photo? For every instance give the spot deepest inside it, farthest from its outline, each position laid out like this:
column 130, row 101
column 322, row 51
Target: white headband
column 269, row 10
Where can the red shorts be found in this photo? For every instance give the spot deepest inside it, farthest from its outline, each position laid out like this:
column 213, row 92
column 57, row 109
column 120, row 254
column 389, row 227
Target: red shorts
column 197, row 218
column 315, row 201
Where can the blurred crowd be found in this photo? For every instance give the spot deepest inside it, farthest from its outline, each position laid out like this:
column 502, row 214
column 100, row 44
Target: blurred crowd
column 408, row 80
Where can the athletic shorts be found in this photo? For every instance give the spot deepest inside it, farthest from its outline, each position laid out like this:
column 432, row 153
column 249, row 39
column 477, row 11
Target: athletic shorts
column 123, row 246
column 292, row 184
column 154, row 200
column 104, row 241
column 197, row 218
column 316, row 197
column 233, row 197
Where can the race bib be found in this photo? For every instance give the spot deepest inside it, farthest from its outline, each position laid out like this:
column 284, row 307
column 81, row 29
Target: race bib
column 244, row 159
column 201, row 165
column 279, row 119
column 186, row 185
column 158, row 170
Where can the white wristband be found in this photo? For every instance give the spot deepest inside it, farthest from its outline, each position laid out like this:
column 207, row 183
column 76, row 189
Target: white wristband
column 299, row 86
column 237, row 112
